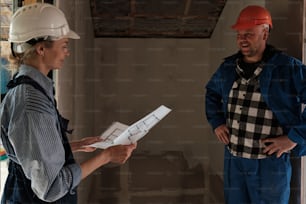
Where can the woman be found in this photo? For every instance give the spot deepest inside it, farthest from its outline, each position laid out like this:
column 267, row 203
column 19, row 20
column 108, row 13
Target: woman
column 41, row 165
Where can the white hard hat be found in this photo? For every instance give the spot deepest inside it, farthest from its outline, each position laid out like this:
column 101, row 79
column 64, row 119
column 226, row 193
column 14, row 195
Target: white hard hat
column 39, row 20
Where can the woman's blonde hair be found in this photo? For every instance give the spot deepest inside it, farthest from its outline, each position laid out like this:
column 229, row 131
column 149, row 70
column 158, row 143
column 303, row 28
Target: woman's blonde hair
column 21, row 58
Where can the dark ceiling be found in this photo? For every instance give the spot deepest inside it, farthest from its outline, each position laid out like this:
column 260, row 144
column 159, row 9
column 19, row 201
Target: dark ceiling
column 155, row 18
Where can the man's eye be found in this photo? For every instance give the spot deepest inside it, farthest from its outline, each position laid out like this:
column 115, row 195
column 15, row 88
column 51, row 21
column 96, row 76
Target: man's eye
column 245, row 35
column 248, row 35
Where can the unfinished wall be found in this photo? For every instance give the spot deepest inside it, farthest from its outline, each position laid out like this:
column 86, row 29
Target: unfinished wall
column 135, row 76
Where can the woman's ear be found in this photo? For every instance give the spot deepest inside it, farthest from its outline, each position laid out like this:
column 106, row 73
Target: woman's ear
column 40, row 49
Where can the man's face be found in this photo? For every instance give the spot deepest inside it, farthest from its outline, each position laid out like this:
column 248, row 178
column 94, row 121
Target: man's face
column 251, row 42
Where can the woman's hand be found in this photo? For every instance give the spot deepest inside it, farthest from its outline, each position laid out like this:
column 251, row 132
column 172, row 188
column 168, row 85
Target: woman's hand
column 82, row 145
column 119, row 154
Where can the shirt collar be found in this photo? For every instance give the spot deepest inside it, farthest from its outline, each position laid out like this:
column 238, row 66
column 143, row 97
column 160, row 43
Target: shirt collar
column 44, row 81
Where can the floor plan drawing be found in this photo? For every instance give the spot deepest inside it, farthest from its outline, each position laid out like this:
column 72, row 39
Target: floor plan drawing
column 119, row 133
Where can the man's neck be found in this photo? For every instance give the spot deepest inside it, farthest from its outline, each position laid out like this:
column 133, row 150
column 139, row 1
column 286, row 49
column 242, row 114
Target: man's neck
column 253, row 59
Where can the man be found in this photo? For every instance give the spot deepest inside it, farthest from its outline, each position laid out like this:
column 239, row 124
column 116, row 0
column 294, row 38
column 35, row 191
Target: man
column 253, row 103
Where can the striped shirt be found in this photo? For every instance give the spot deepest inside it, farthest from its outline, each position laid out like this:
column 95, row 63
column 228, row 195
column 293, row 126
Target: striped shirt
column 31, row 133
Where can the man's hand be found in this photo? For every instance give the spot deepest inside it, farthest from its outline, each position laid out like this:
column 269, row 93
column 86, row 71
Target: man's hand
column 278, row 145
column 222, row 134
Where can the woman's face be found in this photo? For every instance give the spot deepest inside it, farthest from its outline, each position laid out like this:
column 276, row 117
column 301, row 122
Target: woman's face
column 55, row 55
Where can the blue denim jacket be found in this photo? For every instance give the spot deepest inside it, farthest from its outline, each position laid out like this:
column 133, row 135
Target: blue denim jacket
column 282, row 85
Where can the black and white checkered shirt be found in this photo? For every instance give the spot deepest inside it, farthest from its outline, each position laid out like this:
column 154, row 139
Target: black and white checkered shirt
column 249, row 119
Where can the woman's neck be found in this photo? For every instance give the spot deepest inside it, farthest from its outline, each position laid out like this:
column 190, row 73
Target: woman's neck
column 37, row 64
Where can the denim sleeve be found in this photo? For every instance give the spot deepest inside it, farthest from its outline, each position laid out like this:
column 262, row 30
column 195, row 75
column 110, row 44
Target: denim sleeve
column 36, row 138
column 297, row 132
column 214, row 103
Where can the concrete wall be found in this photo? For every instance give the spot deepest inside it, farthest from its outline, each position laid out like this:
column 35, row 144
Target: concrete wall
column 135, row 76
column 287, row 33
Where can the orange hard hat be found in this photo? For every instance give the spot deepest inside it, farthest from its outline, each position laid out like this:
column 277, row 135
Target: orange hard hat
column 251, row 16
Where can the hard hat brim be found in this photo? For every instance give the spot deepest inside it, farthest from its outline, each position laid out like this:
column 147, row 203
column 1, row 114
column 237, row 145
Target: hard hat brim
column 242, row 26
column 72, row 35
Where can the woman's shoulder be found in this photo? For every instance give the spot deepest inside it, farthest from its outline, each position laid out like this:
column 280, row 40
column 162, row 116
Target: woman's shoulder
column 30, row 99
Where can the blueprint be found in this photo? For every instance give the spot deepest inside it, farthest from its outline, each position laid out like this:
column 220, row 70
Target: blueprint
column 121, row 134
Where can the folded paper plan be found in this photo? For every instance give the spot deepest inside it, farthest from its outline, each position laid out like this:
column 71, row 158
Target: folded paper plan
column 121, row 134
